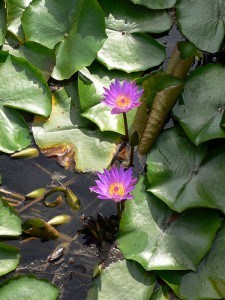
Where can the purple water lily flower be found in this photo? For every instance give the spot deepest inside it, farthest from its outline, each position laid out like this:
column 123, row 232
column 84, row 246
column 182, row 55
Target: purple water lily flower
column 122, row 97
column 115, row 184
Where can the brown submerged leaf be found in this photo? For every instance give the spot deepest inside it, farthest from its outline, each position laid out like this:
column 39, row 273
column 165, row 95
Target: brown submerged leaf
column 63, row 154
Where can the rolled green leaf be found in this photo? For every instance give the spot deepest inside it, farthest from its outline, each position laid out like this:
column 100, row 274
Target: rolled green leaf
column 163, row 103
column 181, row 60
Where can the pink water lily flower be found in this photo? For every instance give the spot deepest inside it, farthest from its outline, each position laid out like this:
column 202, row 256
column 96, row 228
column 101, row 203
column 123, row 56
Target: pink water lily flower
column 115, row 184
column 122, row 97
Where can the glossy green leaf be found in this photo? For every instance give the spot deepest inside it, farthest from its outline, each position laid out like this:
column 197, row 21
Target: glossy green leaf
column 156, row 4
column 92, row 149
column 181, row 176
column 15, row 9
column 128, row 47
column 28, row 287
column 10, row 222
column 124, row 280
column 201, row 108
column 3, row 22
column 76, row 40
column 209, row 280
column 23, row 87
column 160, row 239
column 41, row 57
column 173, row 279
column 9, row 258
column 91, row 83
column 202, row 22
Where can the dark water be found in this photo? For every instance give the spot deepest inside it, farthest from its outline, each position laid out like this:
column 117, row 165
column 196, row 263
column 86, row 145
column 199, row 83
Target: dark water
column 73, row 271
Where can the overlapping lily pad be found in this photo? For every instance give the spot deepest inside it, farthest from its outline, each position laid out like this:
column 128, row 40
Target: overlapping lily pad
column 3, row 22
column 91, row 82
column 209, row 280
column 124, row 280
column 38, row 55
column 15, row 9
column 128, row 47
column 10, row 222
column 182, row 176
column 24, row 88
column 201, row 108
column 28, row 287
column 156, row 4
column 9, row 258
column 159, row 238
column 202, row 22
column 93, row 150
column 76, row 30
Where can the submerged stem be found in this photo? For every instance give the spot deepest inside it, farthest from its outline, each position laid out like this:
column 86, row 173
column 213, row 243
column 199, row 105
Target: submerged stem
column 131, row 156
column 126, row 127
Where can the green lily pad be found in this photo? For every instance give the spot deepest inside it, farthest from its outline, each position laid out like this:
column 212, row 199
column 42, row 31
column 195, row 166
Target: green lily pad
column 10, row 222
column 3, row 22
column 27, row 90
column 38, row 55
column 93, row 150
column 156, row 4
column 128, row 47
column 201, row 108
column 180, row 174
column 28, row 287
column 76, row 40
column 202, row 22
column 124, row 280
column 15, row 9
column 9, row 258
column 173, row 279
column 160, row 239
column 91, row 82
column 209, row 280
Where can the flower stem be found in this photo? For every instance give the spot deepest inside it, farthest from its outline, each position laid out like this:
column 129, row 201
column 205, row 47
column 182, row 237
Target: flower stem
column 118, row 210
column 126, row 127
column 131, row 156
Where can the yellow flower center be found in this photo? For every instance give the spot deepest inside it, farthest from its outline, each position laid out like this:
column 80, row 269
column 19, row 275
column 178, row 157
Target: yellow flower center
column 116, row 189
column 123, row 101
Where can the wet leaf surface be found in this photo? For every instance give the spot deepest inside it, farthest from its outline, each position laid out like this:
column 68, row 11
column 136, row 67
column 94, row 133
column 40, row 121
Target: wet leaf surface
column 127, row 278
column 150, row 234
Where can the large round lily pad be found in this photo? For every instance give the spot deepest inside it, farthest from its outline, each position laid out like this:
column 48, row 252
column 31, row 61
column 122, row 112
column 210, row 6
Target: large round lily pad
column 202, row 22
column 75, row 28
column 181, row 174
column 66, row 129
column 123, row 280
column 128, row 47
column 27, row 288
column 201, row 108
column 161, row 239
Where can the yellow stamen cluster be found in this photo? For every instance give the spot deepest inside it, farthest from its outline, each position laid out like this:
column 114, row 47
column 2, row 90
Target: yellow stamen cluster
column 123, row 101
column 116, row 189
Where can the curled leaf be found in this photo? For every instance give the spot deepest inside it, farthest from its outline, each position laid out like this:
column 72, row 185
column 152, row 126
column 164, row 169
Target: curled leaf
column 39, row 228
column 72, row 199
column 29, row 152
column 59, row 220
column 36, row 193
